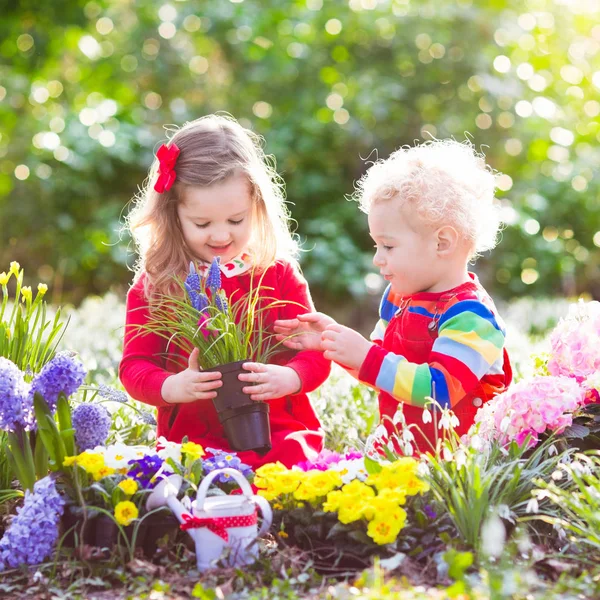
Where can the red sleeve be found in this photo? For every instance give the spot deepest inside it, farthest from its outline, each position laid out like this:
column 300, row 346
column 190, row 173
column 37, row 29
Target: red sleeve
column 142, row 369
column 312, row 367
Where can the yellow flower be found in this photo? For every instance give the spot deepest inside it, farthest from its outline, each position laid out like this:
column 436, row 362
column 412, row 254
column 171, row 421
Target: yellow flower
column 271, row 469
column 316, row 484
column 283, row 534
column 69, row 461
column 192, row 449
column 129, row 486
column 100, row 472
column 42, row 288
column 383, row 531
column 26, row 293
column 14, row 267
column 125, row 512
column 4, row 278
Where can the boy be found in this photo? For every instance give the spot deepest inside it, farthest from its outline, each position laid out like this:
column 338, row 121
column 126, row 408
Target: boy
column 431, row 211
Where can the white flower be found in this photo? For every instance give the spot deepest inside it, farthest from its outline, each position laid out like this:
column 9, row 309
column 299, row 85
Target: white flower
column 407, row 435
column 557, row 475
column 532, row 506
column 444, row 422
column 426, row 416
column 460, row 457
column 476, row 442
column 493, row 535
column 117, row 456
column 350, row 469
column 380, row 433
column 169, row 449
column 504, row 424
column 447, row 454
column 398, row 417
column 407, row 449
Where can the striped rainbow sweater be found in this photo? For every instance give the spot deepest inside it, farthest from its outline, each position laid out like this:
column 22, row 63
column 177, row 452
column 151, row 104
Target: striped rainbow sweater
column 442, row 345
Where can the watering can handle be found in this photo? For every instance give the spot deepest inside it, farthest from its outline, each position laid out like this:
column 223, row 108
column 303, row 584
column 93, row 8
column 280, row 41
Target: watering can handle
column 233, row 473
column 267, row 514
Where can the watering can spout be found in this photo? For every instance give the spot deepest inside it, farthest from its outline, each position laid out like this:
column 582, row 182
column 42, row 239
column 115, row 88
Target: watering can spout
column 165, row 494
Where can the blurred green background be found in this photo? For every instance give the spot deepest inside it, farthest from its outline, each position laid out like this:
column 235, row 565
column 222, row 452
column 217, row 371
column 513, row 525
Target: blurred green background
column 87, row 87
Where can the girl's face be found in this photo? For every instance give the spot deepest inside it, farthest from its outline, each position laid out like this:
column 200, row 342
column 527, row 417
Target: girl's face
column 217, row 220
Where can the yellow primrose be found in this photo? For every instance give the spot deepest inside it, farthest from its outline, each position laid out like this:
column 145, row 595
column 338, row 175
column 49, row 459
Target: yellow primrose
column 4, row 278
column 271, row 469
column 129, row 486
column 125, row 512
column 100, row 472
column 192, row 449
column 42, row 288
column 15, row 267
column 316, row 484
column 26, row 293
column 352, row 508
column 382, row 531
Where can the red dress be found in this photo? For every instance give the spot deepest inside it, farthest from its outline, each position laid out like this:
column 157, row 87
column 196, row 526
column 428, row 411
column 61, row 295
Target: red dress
column 144, row 368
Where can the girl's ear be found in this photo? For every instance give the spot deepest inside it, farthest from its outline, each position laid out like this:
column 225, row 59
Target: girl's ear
column 447, row 239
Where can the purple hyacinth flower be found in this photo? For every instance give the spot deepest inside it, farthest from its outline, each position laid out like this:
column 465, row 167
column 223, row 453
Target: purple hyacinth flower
column 33, row 533
column 62, row 374
column 213, row 277
column 92, row 425
column 429, row 512
column 15, row 408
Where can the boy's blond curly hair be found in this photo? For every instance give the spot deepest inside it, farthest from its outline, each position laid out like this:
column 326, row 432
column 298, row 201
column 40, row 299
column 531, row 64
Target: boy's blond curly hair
column 444, row 182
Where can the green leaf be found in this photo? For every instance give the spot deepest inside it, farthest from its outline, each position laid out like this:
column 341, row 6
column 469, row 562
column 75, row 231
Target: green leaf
column 63, row 412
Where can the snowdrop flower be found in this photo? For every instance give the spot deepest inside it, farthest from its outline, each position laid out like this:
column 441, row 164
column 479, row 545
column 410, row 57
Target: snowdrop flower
column 426, row 416
column 493, row 536
column 532, row 506
column 398, row 417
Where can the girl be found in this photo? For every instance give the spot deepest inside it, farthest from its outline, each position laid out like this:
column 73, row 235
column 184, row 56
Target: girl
column 212, row 193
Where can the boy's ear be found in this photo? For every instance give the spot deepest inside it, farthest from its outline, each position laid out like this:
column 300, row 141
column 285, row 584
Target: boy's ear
column 447, row 240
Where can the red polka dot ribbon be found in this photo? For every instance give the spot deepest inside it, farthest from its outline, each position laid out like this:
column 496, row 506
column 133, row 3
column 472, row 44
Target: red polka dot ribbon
column 218, row 525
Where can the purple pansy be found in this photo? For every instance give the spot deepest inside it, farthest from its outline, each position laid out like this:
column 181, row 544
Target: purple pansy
column 146, row 470
column 223, row 460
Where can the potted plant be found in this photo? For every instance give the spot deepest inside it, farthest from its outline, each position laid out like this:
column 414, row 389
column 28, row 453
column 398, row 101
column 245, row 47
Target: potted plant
column 227, row 333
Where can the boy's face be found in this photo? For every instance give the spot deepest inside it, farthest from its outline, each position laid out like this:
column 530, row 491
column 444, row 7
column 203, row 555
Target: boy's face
column 406, row 248
column 217, row 220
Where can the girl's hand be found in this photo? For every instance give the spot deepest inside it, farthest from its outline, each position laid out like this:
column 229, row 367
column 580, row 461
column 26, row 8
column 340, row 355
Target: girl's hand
column 345, row 346
column 192, row 384
column 306, row 331
column 271, row 381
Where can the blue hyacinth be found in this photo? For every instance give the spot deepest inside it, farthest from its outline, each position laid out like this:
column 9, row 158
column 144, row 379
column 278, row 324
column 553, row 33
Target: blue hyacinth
column 33, row 533
column 92, row 425
column 213, row 277
column 62, row 374
column 15, row 409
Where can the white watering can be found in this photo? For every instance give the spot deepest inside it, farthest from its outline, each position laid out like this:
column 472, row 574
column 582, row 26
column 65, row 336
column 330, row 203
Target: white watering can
column 217, row 523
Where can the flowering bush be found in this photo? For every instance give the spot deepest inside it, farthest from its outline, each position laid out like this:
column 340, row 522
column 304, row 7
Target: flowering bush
column 224, row 331
column 529, row 408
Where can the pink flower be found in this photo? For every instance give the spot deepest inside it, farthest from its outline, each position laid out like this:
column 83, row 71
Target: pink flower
column 531, row 407
column 575, row 342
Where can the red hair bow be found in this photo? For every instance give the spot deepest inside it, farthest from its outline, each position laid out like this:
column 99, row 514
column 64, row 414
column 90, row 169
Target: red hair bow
column 167, row 157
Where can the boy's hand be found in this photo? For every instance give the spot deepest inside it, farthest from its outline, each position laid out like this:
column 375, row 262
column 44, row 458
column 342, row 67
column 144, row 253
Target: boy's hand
column 345, row 346
column 270, row 381
column 306, row 330
column 192, row 384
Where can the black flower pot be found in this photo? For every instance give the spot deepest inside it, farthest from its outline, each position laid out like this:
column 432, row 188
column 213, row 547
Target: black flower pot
column 162, row 529
column 247, row 427
column 245, row 422
column 72, row 528
column 107, row 534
